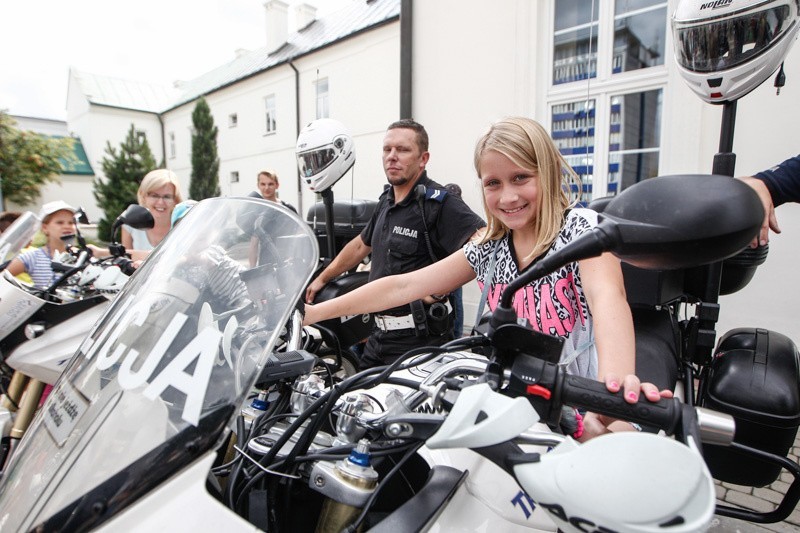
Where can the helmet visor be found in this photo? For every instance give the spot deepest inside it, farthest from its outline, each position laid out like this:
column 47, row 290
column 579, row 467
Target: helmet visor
column 314, row 161
column 720, row 45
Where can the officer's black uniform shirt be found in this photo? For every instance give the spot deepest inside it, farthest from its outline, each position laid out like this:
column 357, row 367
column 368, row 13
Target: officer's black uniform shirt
column 396, row 231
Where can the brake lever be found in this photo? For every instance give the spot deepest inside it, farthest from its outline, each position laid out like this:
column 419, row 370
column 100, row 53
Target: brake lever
column 417, row 426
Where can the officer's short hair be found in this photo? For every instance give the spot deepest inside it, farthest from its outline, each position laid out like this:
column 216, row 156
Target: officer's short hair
column 411, row 124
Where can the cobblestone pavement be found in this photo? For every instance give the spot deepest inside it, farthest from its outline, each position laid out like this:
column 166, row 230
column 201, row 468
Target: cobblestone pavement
column 758, row 499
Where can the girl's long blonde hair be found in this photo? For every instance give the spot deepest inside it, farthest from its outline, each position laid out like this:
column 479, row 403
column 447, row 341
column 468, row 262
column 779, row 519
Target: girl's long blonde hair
column 526, row 143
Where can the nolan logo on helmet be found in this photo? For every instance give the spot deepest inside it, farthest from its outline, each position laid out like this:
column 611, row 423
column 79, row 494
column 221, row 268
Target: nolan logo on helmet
column 716, row 4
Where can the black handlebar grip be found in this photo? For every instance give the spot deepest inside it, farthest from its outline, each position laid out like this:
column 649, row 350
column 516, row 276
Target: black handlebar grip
column 594, row 396
column 126, row 266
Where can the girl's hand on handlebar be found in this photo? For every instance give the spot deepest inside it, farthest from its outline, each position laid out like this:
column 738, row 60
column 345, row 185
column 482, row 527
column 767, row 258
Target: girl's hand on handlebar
column 633, row 387
column 595, row 424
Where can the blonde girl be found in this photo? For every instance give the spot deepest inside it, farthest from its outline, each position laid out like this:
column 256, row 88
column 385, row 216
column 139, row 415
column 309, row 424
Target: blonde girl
column 525, row 183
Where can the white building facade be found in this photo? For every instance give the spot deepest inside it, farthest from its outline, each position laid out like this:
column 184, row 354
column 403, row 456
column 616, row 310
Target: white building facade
column 344, row 66
column 600, row 75
column 508, row 57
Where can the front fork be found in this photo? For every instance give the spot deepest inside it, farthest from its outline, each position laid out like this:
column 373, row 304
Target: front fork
column 20, row 403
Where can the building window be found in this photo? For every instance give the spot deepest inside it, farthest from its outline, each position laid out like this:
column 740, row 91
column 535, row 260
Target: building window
column 572, row 129
column 639, row 35
column 323, row 110
column 633, row 36
column 269, row 112
column 634, row 138
column 141, row 136
column 235, row 176
column 172, row 150
column 233, row 120
column 575, row 41
column 606, row 95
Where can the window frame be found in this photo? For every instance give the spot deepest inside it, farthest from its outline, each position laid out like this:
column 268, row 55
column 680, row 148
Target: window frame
column 233, row 120
column 233, row 176
column 322, row 99
column 603, row 87
column 270, row 114
column 173, row 153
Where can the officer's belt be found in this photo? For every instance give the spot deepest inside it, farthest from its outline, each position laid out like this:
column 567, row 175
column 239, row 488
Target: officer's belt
column 394, row 323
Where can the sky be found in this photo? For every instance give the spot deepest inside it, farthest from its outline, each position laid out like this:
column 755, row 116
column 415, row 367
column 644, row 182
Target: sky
column 147, row 40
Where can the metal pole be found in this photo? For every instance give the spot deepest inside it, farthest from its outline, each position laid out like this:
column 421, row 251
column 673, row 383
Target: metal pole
column 406, row 40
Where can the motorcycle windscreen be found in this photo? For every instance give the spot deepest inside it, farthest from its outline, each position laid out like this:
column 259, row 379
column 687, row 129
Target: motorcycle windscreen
column 167, row 367
column 18, row 235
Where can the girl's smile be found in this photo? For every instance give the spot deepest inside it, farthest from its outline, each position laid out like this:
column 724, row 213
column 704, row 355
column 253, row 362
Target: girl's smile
column 511, row 192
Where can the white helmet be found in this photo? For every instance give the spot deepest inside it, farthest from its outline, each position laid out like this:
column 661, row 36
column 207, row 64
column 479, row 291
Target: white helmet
column 727, row 48
column 325, row 153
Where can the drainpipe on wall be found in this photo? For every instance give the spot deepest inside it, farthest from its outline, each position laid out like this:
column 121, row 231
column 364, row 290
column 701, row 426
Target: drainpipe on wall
column 406, row 39
column 297, row 134
column 163, row 140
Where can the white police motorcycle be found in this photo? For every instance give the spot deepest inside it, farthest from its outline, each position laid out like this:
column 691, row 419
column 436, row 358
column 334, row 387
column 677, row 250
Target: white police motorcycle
column 135, row 434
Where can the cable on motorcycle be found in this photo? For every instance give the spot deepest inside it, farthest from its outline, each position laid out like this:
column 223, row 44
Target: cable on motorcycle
column 354, row 526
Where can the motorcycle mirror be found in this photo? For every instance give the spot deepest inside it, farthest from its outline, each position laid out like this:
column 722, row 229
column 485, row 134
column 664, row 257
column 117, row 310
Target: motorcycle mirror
column 682, row 221
column 134, row 216
column 668, row 222
column 81, row 217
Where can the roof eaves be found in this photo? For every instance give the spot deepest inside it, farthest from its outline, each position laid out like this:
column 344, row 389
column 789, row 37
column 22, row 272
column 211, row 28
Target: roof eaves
column 80, row 166
column 124, row 108
column 356, row 33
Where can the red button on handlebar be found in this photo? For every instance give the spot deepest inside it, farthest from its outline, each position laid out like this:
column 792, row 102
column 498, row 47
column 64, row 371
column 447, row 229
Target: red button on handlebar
column 538, row 390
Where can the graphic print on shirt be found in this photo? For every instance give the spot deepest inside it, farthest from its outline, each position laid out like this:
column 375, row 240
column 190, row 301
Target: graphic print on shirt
column 554, row 304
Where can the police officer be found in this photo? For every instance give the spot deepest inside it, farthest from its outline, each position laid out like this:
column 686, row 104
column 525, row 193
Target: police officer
column 415, row 224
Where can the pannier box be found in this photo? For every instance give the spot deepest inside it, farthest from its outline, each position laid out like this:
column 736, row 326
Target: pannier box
column 350, row 217
column 754, row 377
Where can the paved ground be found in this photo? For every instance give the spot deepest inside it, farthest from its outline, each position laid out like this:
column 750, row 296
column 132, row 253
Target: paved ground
column 759, row 499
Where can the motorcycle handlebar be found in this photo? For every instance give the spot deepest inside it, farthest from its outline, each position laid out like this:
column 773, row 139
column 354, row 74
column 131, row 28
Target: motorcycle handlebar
column 669, row 414
column 592, row 395
column 125, row 265
column 548, row 387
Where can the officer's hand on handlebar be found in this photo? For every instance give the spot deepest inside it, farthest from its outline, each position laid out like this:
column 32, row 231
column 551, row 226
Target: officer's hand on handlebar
column 312, row 290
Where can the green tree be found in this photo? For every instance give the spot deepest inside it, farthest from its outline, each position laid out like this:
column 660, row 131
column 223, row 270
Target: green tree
column 205, row 163
column 124, row 170
column 29, row 160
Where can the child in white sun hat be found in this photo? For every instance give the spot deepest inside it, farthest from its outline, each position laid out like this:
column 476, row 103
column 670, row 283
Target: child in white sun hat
column 58, row 220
